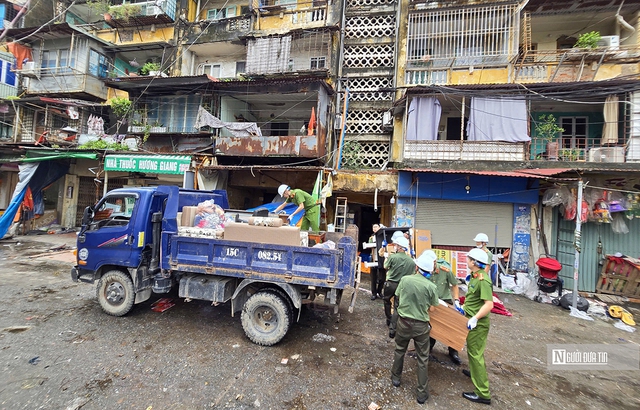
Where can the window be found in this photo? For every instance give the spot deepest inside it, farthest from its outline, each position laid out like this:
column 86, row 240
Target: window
column 318, row 63
column 115, row 210
column 6, row 75
column 279, row 129
column 463, row 37
column 216, row 14
column 575, row 132
column 231, row 11
column 56, row 61
column 48, row 60
column 241, row 67
column 211, row 69
column 98, row 64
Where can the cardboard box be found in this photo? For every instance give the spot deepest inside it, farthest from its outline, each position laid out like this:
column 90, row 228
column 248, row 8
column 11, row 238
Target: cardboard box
column 448, row 326
column 422, row 240
column 188, row 215
column 284, row 235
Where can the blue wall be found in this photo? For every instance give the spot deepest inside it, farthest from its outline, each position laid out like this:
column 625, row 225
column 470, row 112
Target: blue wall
column 482, row 188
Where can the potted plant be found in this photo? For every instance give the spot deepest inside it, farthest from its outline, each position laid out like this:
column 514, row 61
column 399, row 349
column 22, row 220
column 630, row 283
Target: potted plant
column 125, row 11
column 120, row 106
column 588, row 40
column 150, row 68
column 547, row 129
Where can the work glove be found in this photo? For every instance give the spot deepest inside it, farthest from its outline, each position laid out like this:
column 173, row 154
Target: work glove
column 289, row 219
column 282, row 212
column 413, row 253
column 472, row 323
column 384, row 243
column 458, row 307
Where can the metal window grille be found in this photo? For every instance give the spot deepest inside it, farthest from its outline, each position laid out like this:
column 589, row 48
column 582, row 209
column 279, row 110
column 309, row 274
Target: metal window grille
column 463, row 37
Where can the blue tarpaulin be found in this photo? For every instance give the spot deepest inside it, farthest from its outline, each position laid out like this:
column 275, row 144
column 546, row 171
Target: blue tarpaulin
column 288, row 209
column 37, row 176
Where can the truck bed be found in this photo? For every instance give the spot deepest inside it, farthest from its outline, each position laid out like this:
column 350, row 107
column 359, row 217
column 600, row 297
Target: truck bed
column 297, row 265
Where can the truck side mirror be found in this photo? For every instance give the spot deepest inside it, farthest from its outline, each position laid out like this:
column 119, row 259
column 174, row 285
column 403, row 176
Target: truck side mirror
column 87, row 215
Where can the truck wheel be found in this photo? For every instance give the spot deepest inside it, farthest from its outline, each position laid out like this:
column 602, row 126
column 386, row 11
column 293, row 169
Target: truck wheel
column 283, row 295
column 265, row 318
column 115, row 293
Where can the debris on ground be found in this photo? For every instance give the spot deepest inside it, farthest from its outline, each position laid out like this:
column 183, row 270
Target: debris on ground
column 321, row 338
column 163, row 304
column 16, row 329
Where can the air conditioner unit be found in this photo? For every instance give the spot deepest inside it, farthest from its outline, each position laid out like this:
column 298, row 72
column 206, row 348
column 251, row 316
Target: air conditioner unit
column 610, row 42
column 387, row 120
column 633, row 150
column 29, row 69
column 606, row 154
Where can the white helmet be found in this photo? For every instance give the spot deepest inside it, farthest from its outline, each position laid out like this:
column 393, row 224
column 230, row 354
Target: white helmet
column 283, row 188
column 396, row 235
column 427, row 261
column 481, row 237
column 478, row 255
column 402, row 242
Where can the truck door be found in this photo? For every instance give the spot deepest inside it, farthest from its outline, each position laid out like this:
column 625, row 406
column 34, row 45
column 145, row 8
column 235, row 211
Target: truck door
column 110, row 236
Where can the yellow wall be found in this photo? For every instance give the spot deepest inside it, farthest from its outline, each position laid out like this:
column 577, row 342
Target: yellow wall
column 139, row 36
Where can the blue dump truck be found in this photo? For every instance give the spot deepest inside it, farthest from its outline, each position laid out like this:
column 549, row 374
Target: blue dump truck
column 132, row 245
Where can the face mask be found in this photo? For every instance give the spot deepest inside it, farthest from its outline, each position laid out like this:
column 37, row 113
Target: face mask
column 479, row 246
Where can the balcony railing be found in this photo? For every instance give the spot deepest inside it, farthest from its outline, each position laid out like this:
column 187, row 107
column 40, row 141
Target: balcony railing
column 571, row 64
column 466, row 150
column 219, row 30
column 315, row 16
column 142, row 13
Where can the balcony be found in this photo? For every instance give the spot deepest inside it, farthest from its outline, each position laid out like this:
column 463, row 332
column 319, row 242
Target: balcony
column 143, row 13
column 275, row 17
column 465, row 151
column 569, row 65
column 228, row 29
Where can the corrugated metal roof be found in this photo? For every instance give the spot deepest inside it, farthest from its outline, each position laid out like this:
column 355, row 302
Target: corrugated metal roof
column 521, row 173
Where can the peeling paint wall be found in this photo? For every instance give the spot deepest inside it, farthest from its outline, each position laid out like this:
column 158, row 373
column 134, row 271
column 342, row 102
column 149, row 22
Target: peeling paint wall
column 365, row 182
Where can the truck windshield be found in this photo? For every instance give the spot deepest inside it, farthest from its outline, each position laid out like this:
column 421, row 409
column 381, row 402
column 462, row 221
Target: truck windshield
column 119, row 207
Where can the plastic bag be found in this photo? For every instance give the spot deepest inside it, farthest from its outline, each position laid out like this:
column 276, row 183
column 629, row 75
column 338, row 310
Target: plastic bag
column 209, row 215
column 579, row 314
column 508, row 282
column 623, row 326
column 619, row 225
column 522, row 283
column 597, row 311
column 556, row 196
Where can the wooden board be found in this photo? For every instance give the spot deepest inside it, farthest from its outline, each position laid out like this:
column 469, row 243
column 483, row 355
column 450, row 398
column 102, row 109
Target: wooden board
column 449, row 327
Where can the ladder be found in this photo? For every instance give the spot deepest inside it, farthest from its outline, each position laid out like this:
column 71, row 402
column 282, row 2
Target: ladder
column 341, row 214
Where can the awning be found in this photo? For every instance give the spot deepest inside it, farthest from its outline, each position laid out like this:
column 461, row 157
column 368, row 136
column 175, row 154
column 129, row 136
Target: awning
column 518, row 173
column 150, row 164
column 31, row 157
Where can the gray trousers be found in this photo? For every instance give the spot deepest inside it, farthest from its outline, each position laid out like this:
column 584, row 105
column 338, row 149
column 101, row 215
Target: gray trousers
column 406, row 330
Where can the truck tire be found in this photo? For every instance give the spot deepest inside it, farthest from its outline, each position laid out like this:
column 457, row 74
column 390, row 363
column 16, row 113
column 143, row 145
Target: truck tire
column 265, row 318
column 115, row 293
column 283, row 295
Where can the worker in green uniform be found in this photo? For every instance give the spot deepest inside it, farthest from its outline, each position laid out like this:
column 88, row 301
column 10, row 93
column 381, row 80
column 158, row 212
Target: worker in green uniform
column 416, row 295
column 477, row 306
column 447, row 286
column 305, row 202
column 398, row 265
column 482, row 242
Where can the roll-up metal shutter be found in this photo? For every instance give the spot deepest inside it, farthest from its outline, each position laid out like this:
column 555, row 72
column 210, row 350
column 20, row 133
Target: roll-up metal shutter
column 456, row 223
